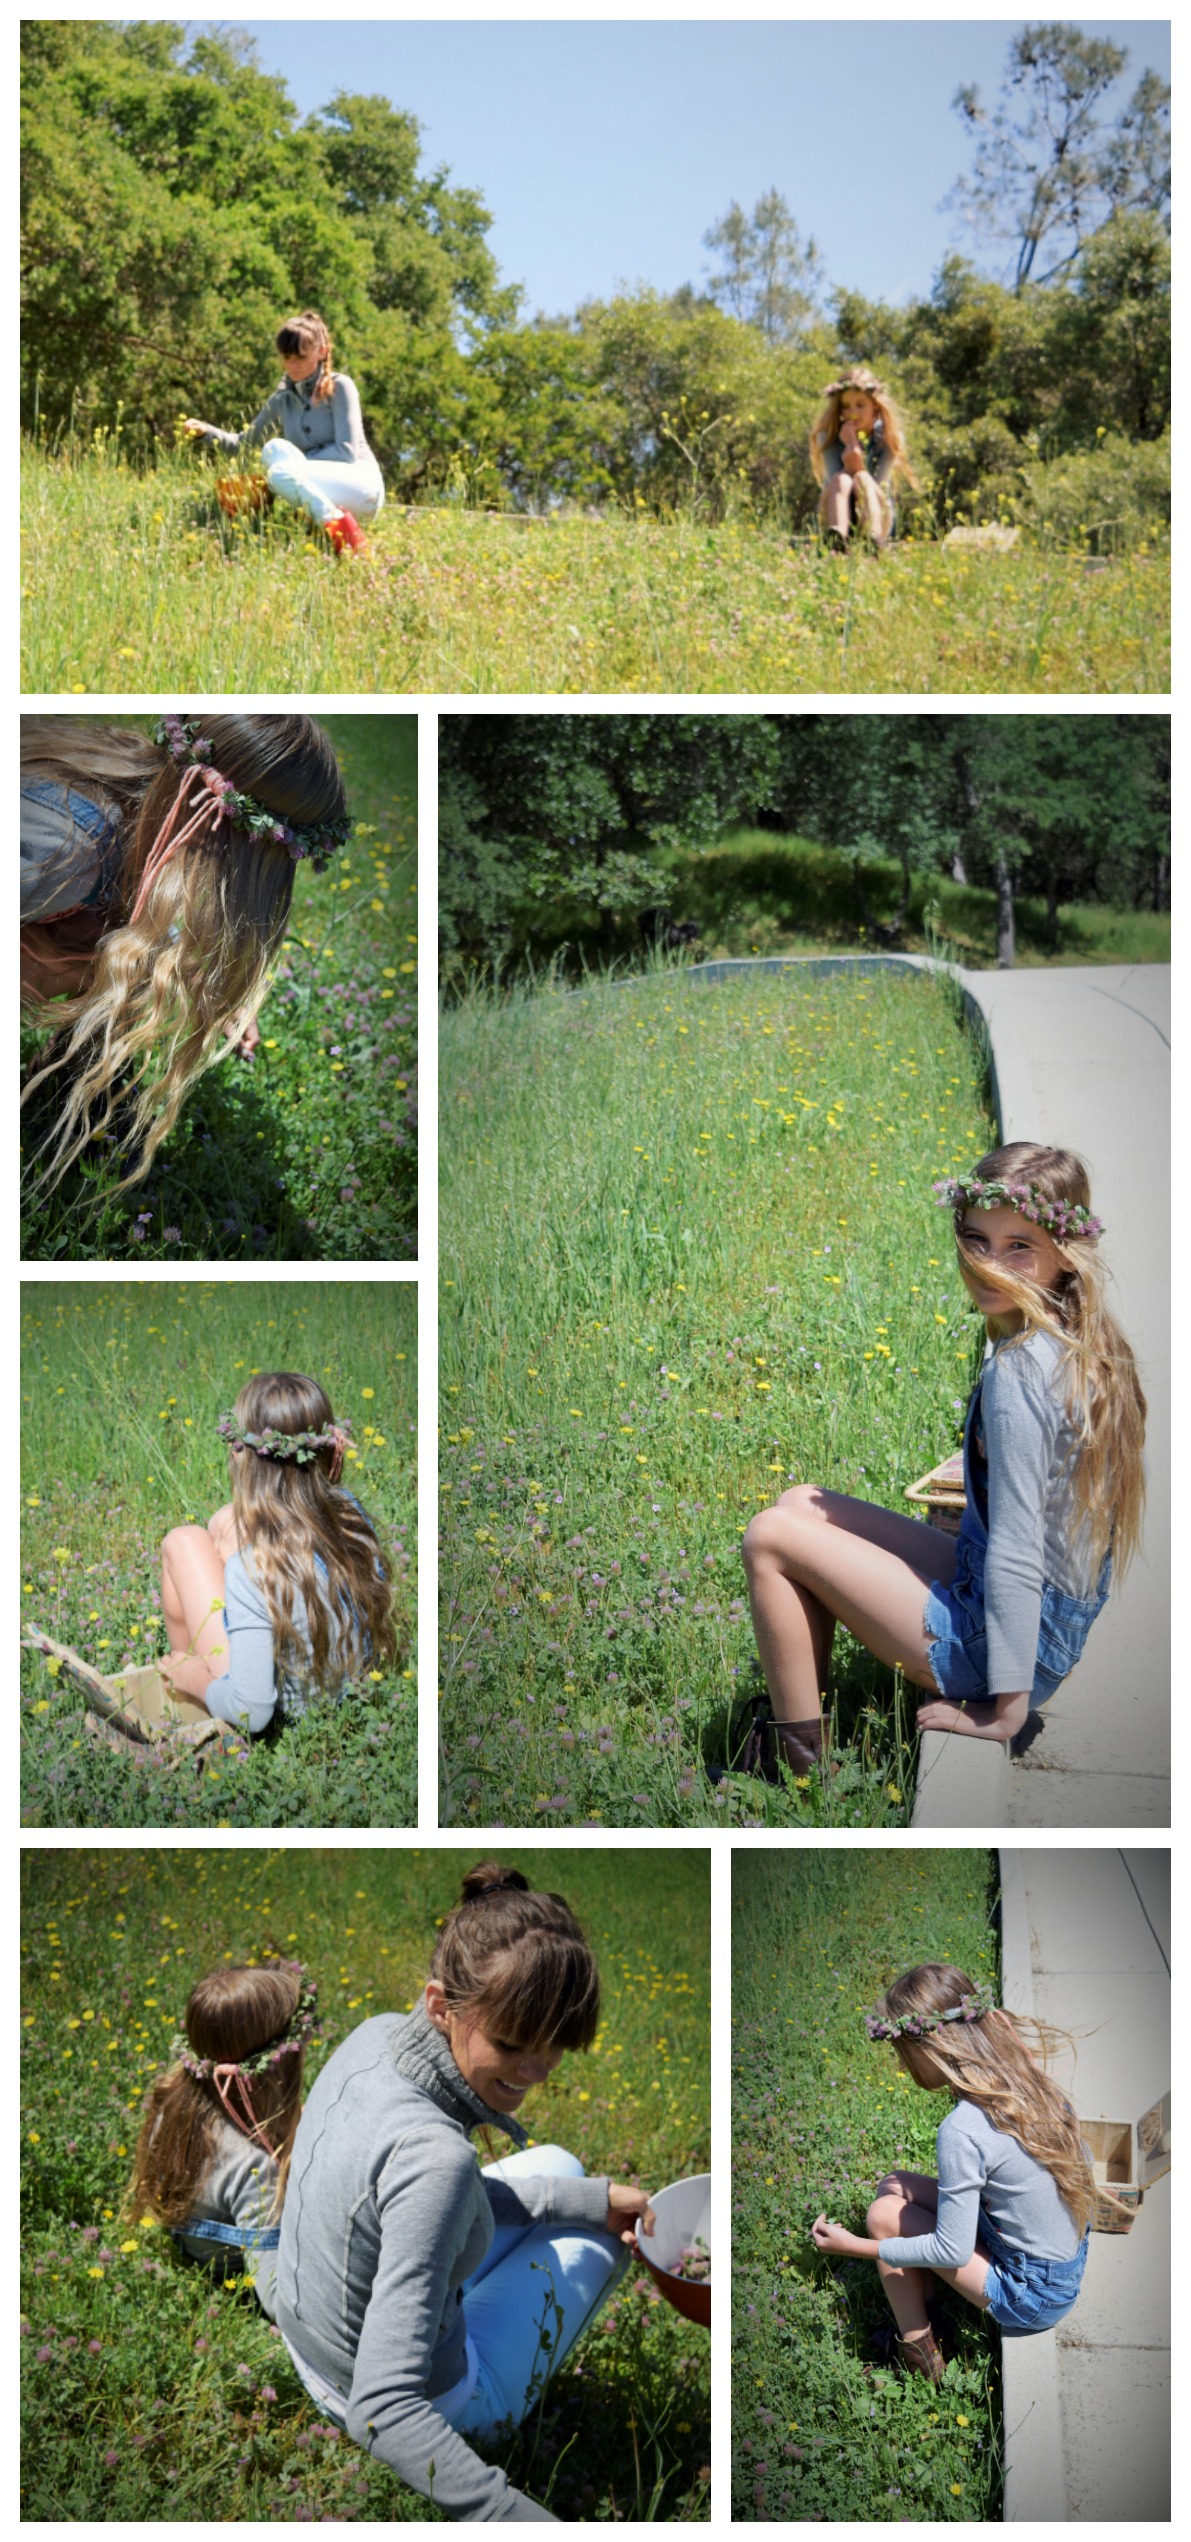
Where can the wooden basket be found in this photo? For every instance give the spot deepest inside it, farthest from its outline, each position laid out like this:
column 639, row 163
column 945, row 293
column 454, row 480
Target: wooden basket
column 136, row 1710
column 941, row 1494
column 1128, row 2156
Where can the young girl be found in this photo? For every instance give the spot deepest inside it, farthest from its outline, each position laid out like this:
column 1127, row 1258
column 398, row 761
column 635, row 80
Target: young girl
column 425, row 2300
column 283, row 1594
column 213, row 2154
column 993, row 1620
column 156, row 878
column 1007, row 2220
column 311, row 433
column 858, row 448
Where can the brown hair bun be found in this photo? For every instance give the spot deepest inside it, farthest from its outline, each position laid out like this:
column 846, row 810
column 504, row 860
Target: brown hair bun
column 490, row 1877
column 518, row 1961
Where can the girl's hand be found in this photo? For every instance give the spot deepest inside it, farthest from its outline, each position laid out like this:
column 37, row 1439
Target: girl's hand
column 245, row 1042
column 628, row 2211
column 193, row 424
column 831, row 2237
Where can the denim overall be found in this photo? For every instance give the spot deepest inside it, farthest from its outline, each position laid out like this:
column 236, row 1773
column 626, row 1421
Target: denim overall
column 954, row 1617
column 1024, row 2294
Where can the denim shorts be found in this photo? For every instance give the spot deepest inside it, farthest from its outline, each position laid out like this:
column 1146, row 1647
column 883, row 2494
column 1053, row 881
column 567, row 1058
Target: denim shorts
column 1026, row 2295
column 953, row 1621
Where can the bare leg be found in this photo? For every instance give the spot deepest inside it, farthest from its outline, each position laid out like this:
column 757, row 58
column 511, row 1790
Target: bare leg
column 907, row 2204
column 817, row 1558
column 192, row 1603
column 871, row 507
column 835, row 503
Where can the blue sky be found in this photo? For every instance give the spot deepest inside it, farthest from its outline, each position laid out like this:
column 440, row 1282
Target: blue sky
column 605, row 149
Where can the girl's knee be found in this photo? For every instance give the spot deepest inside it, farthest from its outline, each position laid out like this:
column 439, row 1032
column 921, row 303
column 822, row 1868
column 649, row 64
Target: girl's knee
column 181, row 1539
column 884, row 2216
column 768, row 1535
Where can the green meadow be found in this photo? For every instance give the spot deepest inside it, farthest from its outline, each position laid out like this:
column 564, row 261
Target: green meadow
column 688, row 1255
column 307, row 1150
column 822, row 2430
column 132, row 580
column 151, row 2395
column 122, row 1384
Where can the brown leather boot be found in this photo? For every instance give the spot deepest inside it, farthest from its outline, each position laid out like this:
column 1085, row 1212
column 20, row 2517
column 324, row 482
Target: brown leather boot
column 802, row 1745
column 922, row 2356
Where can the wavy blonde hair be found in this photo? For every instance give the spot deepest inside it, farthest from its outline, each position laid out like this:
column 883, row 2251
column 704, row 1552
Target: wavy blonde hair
column 825, row 428
column 309, row 1540
column 309, row 333
column 229, row 2014
column 167, row 993
column 1104, row 1397
column 989, row 2063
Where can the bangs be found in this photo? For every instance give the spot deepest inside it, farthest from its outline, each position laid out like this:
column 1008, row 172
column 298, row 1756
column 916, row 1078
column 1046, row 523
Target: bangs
column 543, row 1994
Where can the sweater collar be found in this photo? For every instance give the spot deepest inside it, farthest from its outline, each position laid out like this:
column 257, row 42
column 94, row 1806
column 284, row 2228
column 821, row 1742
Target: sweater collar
column 422, row 2055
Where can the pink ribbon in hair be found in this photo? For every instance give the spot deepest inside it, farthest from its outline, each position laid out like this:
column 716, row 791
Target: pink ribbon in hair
column 209, row 785
column 228, row 2078
column 337, row 1453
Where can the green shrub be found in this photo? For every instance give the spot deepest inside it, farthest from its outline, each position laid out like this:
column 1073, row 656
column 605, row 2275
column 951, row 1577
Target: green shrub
column 1111, row 501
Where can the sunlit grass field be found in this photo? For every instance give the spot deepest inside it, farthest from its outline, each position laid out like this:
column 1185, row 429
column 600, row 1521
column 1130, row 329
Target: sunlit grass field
column 307, row 1151
column 135, row 580
column 822, row 2432
column 689, row 1254
column 151, row 2395
column 121, row 1387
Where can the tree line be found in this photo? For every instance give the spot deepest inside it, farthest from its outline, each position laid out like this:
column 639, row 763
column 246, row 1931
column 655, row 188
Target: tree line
column 175, row 207
column 590, row 828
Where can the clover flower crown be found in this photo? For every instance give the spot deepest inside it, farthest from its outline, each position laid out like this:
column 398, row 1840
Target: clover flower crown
column 915, row 2025
column 1064, row 1218
column 297, row 1447
column 302, row 2025
column 316, row 839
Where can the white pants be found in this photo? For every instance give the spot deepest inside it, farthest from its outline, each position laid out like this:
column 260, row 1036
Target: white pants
column 324, row 487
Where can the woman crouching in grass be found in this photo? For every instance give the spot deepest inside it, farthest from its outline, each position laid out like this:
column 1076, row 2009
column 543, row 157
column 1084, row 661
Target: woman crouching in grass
column 993, row 1620
column 213, row 2154
column 423, row 2300
column 310, row 434
column 1006, row 2221
column 156, row 878
column 283, row 1596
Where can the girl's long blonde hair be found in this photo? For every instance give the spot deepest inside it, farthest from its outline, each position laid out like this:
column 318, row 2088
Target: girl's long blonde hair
column 989, row 2063
column 825, row 428
column 308, row 333
column 309, row 1540
column 1104, row 1397
column 169, row 989
column 230, row 2014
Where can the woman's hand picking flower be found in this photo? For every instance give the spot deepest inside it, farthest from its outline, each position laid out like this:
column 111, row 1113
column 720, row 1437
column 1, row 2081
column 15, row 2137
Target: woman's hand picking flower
column 833, row 2237
column 628, row 2209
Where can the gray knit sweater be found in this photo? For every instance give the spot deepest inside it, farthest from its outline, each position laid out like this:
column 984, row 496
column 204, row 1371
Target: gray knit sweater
column 324, row 428
column 386, row 2214
column 238, row 2189
column 979, row 2167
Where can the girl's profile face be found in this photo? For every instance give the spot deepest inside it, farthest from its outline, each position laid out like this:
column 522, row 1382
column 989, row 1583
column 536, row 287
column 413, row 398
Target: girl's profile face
column 501, row 2075
column 1006, row 1241
column 855, row 407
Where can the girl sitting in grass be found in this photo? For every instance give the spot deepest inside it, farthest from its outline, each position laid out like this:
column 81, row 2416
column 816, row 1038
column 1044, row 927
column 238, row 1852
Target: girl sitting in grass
column 858, row 448
column 283, row 1595
column 425, row 2301
column 213, row 2154
column 1006, row 2221
column 310, row 434
column 993, row 1620
column 156, row 877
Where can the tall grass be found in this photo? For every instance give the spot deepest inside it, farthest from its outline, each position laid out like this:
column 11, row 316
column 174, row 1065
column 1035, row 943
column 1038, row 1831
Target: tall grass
column 136, row 580
column 121, row 1388
column 821, row 2432
column 152, row 2396
column 307, row 1150
column 688, row 1255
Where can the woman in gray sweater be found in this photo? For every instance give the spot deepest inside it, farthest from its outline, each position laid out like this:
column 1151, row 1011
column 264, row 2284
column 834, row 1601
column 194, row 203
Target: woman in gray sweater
column 425, row 2300
column 310, row 434
column 1006, row 2221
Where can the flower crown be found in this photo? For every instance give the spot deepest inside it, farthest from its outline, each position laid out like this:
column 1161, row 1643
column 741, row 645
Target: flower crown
column 1065, row 1218
column 284, row 1446
column 914, row 2025
column 316, row 839
column 302, row 2024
